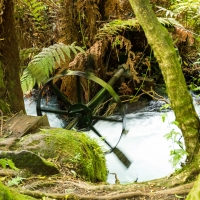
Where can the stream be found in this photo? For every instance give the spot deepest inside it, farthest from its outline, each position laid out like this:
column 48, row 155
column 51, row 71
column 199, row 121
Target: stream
column 144, row 144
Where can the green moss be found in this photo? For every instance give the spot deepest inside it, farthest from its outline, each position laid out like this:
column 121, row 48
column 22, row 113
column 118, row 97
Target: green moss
column 31, row 161
column 69, row 148
column 195, row 193
column 80, row 150
column 7, row 194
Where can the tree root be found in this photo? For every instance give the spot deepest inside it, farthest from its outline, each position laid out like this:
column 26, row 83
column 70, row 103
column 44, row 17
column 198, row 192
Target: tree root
column 180, row 190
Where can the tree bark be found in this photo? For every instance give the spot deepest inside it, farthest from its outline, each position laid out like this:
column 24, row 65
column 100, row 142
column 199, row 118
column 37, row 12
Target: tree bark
column 11, row 96
column 164, row 51
column 194, row 193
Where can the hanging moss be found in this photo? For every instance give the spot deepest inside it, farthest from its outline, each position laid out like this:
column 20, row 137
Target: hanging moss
column 70, row 148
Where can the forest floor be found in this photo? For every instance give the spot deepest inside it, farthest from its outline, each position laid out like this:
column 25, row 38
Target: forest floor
column 64, row 188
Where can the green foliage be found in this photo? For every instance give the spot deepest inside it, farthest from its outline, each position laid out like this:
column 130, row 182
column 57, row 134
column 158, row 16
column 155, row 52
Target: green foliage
column 43, row 64
column 164, row 115
column 15, row 181
column 172, row 135
column 115, row 27
column 187, row 11
column 169, row 21
column 176, row 154
column 194, row 84
column 27, row 54
column 198, row 60
column 4, row 162
column 168, row 12
column 165, row 106
column 36, row 8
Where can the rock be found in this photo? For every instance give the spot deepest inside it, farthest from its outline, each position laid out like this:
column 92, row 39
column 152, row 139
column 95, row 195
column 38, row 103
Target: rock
column 71, row 151
column 31, row 161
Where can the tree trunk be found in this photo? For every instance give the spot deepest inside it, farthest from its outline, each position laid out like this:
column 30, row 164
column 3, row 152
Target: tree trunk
column 181, row 101
column 11, row 96
column 194, row 193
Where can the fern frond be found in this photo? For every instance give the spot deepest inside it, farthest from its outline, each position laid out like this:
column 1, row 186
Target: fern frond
column 36, row 9
column 43, row 64
column 167, row 12
column 27, row 81
column 169, row 22
column 26, row 53
column 115, row 27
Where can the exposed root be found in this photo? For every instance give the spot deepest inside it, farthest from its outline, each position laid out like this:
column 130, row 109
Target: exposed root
column 181, row 190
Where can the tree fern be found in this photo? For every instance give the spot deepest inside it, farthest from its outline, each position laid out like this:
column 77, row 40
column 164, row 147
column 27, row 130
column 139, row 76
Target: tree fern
column 169, row 22
column 44, row 63
column 115, row 27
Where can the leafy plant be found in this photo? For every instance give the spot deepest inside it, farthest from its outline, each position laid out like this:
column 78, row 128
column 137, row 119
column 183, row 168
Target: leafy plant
column 4, row 162
column 169, row 21
column 36, row 8
column 15, row 181
column 115, row 27
column 187, row 11
column 176, row 154
column 43, row 64
column 167, row 11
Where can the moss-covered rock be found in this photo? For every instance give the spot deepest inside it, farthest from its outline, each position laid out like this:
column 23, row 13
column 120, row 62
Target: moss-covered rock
column 31, row 161
column 71, row 150
column 7, row 194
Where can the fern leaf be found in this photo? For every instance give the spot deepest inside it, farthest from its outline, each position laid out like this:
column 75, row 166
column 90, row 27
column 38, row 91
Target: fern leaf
column 73, row 49
column 55, row 55
column 115, row 27
column 66, row 49
column 80, row 49
column 43, row 64
column 169, row 21
column 60, row 51
column 27, row 81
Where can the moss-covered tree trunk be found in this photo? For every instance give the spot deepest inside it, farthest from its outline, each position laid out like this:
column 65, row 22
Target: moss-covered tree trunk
column 181, row 101
column 194, row 193
column 11, row 96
